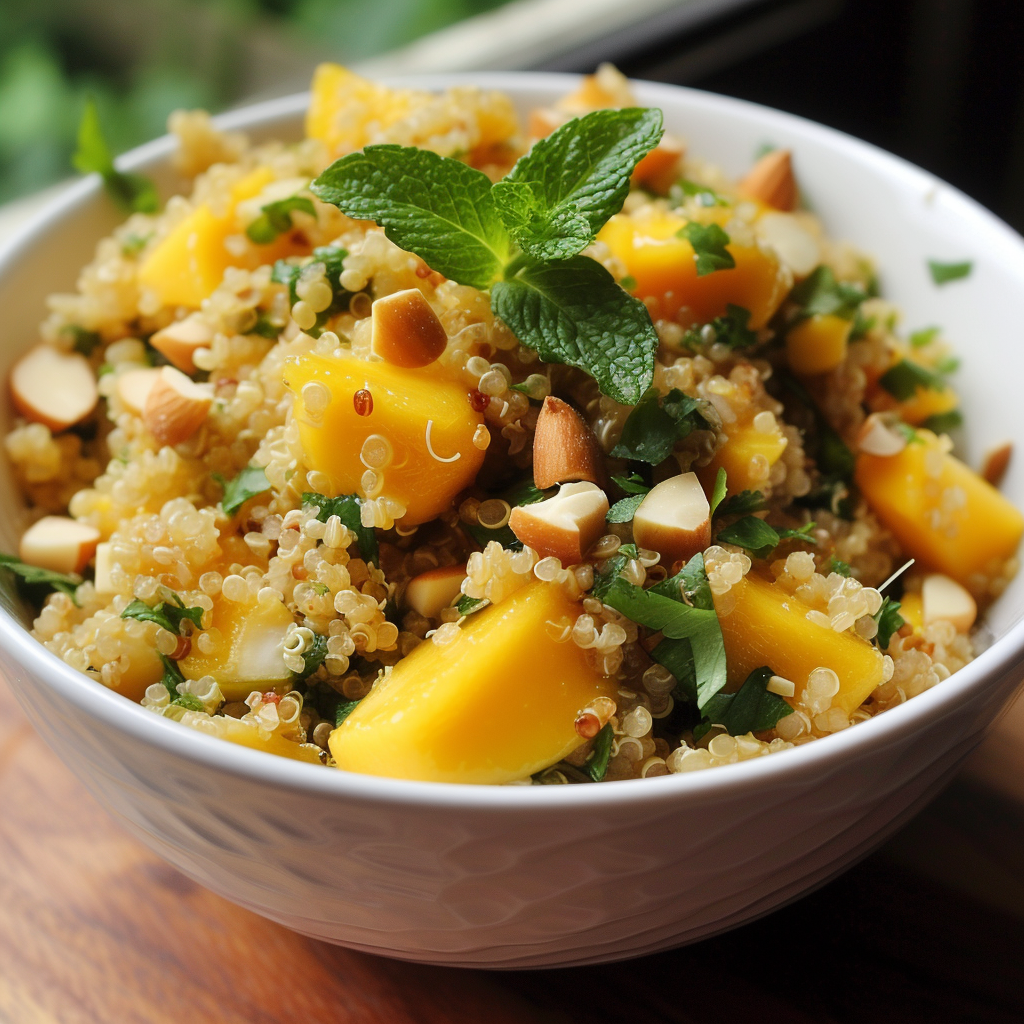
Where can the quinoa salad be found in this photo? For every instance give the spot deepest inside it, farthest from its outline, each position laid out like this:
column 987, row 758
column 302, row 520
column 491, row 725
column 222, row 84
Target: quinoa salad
column 453, row 446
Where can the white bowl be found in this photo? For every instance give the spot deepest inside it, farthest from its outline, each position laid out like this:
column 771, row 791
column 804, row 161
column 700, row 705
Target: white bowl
column 543, row 876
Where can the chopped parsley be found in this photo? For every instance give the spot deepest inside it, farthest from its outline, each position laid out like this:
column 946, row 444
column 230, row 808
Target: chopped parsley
column 655, row 425
column 837, row 565
column 741, row 504
column 703, row 194
column 34, row 576
column 709, row 243
column 923, row 337
column 636, row 490
column 247, row 484
column 288, row 272
column 467, row 605
column 905, row 378
column 752, row 708
column 719, row 492
column 596, row 764
column 343, row 710
column 276, row 218
column 822, row 294
column 83, row 342
column 944, row 422
column 170, row 613
column 943, row 273
column 346, row 508
column 760, row 539
column 313, row 657
column 889, row 621
column 732, row 330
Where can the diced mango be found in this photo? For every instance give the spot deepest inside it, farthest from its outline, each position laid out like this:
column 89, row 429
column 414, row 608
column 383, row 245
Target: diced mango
column 248, row 735
column 912, row 611
column 495, row 705
column 747, row 457
column 425, row 417
column 768, row 626
column 817, row 344
column 928, row 402
column 247, row 654
column 144, row 668
column 940, row 510
column 189, row 263
column 664, row 268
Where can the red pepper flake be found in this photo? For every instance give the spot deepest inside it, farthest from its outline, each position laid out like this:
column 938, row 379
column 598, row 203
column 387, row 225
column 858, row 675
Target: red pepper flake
column 588, row 725
column 271, row 698
column 478, row 400
column 362, row 402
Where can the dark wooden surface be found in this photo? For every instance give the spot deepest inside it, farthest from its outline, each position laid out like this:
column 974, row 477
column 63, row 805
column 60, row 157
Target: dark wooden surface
column 96, row 930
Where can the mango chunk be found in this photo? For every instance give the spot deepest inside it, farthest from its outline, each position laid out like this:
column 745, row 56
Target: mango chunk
column 247, row 653
column 144, row 668
column 248, row 735
column 817, row 344
column 663, row 266
column 189, row 263
column 928, row 402
column 940, row 510
column 768, row 626
column 425, row 418
column 495, row 705
column 912, row 611
column 747, row 457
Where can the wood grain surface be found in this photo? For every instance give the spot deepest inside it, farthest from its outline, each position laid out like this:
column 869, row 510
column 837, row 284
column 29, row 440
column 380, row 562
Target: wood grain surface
column 96, row 930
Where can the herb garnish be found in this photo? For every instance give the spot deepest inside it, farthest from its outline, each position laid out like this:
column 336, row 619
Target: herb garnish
column 742, row 504
column 346, row 508
column 943, row 273
column 288, row 273
column 526, row 492
column 719, row 492
column 636, row 490
column 709, row 243
column 903, row 380
column 822, row 295
column 84, row 342
column 943, row 422
column 247, row 484
column 752, row 708
column 703, row 194
column 133, row 193
column 34, row 575
column 837, row 565
column 596, row 764
column 889, row 621
column 732, row 330
column 652, row 429
column 759, row 538
column 523, row 236
column 467, row 605
column 276, row 218
column 343, row 710
column 169, row 613
column 313, row 657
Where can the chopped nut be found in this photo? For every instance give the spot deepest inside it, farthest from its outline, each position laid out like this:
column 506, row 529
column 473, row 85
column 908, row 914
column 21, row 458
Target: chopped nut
column 59, row 543
column 876, row 438
column 434, row 590
column 771, row 180
column 674, row 519
column 55, row 388
column 943, row 599
column 179, row 341
column 176, row 407
column 134, row 386
column 405, row 331
column 564, row 447
column 564, row 526
column 996, row 463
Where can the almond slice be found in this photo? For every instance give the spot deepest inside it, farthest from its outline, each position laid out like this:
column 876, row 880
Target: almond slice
column 179, row 341
column 674, row 519
column 59, row 543
column 564, row 447
column 175, row 407
column 134, row 386
column 771, row 180
column 55, row 388
column 104, row 565
column 435, row 589
column 944, row 600
column 405, row 331
column 996, row 463
column 564, row 526
column 875, row 438
column 795, row 245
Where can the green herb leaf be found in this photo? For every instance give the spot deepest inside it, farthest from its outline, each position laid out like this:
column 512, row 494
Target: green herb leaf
column 705, row 195
column 169, row 613
column 677, row 620
column 632, row 484
column 732, row 330
column 172, row 676
column 889, row 621
column 836, row 565
column 573, row 312
column 834, row 459
column 332, row 257
column 718, row 494
column 624, row 510
column 559, row 195
column 944, row 422
column 526, row 492
column 276, row 218
column 709, row 243
column 612, row 568
column 247, row 484
column 437, row 207
column 84, row 342
column 743, row 503
column 752, row 708
column 265, row 327
column 652, row 429
column 903, row 380
column 133, row 193
column 344, row 709
column 822, row 295
column 34, row 576
column 468, row 605
column 189, row 701
column 346, row 508
column 596, row 764
column 751, row 533
column 925, row 336
column 313, row 657
column 943, row 273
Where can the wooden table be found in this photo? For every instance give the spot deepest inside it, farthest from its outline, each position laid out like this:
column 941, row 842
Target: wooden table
column 94, row 929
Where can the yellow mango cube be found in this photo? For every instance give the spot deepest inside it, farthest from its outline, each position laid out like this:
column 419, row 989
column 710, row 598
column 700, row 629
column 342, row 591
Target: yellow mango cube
column 247, row 649
column 424, row 419
column 248, row 735
column 940, row 510
column 928, row 402
column 144, row 668
column 762, row 624
column 817, row 344
column 747, row 458
column 912, row 610
column 664, row 268
column 495, row 705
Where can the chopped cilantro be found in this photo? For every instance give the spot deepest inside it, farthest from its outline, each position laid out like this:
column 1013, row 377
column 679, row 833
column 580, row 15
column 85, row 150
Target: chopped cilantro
column 731, row 330
column 752, row 708
column 169, row 613
column 346, row 508
column 247, row 484
column 313, row 657
column 821, row 294
column 741, row 504
column 655, row 425
column 889, row 621
column 344, row 709
column 903, row 380
column 276, row 218
column 34, row 576
column 944, row 422
column 943, row 273
column 709, row 243
column 596, row 764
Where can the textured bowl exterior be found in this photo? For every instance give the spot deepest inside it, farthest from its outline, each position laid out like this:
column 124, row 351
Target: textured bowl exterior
column 521, row 876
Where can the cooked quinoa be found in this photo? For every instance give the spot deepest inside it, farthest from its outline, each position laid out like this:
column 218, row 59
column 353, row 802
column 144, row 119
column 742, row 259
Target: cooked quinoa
column 234, row 581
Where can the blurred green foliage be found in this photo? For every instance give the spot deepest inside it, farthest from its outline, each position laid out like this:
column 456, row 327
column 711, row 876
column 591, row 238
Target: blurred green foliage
column 141, row 59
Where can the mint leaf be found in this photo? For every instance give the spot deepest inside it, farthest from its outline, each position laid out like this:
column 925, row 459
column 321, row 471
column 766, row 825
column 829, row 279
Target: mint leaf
column 903, row 380
column 943, row 273
column 573, row 312
column 33, row 575
column 133, row 193
column 559, row 195
column 822, row 295
column 346, row 508
column 718, row 494
column 752, row 708
column 624, row 510
column 169, row 613
column 247, row 484
column 889, row 621
column 655, row 425
column 439, row 208
column 596, row 764
column 709, row 243
column 276, row 218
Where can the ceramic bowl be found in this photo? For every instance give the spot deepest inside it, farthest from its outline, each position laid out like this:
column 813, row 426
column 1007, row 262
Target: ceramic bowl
column 544, row 876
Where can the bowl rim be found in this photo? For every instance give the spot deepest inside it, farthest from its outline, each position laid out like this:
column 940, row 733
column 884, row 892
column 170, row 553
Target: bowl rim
column 821, row 756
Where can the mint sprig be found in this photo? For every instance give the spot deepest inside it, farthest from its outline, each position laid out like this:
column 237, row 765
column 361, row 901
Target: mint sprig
column 522, row 237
